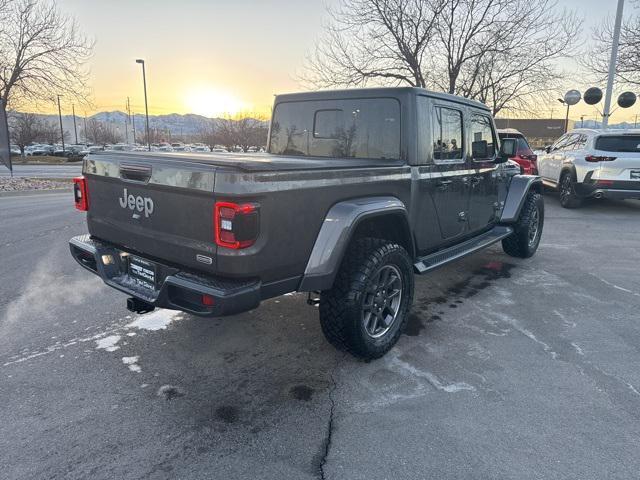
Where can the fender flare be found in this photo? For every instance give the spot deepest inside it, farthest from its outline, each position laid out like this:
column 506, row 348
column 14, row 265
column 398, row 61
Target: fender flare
column 336, row 232
column 518, row 189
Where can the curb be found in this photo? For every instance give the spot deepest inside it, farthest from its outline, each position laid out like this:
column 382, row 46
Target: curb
column 20, row 193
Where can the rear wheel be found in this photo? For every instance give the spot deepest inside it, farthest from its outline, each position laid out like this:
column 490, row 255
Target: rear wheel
column 568, row 196
column 527, row 231
column 366, row 310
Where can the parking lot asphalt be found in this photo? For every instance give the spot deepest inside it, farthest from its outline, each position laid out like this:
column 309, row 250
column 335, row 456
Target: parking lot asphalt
column 510, row 369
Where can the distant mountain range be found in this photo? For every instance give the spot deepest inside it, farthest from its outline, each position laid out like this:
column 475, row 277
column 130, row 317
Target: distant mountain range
column 594, row 124
column 176, row 124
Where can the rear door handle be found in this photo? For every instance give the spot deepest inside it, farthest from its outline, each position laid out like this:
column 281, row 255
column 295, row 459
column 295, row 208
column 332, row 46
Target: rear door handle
column 443, row 184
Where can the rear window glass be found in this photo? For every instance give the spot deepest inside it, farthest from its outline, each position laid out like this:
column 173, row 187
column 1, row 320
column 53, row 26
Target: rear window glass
column 619, row 143
column 361, row 128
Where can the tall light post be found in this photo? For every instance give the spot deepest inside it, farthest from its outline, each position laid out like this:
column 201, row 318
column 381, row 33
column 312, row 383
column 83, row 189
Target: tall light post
column 60, row 118
column 566, row 118
column 75, row 128
column 146, row 106
column 612, row 64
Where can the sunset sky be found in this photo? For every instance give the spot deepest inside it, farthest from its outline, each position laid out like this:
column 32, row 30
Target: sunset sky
column 211, row 57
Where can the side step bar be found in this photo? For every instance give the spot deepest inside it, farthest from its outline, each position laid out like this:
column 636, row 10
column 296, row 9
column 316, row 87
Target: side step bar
column 442, row 257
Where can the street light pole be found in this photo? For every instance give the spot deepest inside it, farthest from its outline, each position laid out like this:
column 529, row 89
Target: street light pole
column 75, row 128
column 566, row 118
column 612, row 64
column 60, row 118
column 146, row 106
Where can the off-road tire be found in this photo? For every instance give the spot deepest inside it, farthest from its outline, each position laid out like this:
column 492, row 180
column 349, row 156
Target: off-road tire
column 567, row 188
column 520, row 243
column 341, row 307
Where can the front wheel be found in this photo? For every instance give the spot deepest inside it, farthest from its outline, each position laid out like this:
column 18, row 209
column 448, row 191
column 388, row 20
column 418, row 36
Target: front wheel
column 366, row 310
column 527, row 231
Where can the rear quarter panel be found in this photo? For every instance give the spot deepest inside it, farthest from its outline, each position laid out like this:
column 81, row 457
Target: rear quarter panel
column 293, row 206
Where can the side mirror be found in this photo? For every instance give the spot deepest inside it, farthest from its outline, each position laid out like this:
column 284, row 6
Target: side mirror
column 508, row 149
column 547, row 149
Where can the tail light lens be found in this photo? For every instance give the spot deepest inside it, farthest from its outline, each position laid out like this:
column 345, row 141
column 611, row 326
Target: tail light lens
column 594, row 158
column 236, row 225
column 81, row 193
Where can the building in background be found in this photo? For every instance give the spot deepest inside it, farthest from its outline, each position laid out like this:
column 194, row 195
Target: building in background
column 539, row 132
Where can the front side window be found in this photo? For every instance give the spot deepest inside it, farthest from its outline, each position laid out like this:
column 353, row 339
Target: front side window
column 447, row 134
column 483, row 137
column 562, row 142
column 359, row 128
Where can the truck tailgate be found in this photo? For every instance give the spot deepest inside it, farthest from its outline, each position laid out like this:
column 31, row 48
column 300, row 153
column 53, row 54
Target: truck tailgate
column 162, row 209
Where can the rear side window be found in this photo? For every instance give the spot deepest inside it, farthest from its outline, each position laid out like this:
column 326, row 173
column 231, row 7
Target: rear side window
column 359, row 128
column 618, row 143
column 447, row 134
column 483, row 137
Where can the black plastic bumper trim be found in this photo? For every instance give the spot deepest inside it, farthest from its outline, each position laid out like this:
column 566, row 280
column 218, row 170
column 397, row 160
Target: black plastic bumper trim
column 175, row 289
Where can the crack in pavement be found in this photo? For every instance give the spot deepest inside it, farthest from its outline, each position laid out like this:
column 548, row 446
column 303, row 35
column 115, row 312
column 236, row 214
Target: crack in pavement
column 327, row 440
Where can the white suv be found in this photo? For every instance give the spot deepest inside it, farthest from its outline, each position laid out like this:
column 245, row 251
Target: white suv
column 593, row 163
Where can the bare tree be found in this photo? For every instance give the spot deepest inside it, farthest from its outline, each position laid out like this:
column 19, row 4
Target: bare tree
column 502, row 52
column 374, row 40
column 596, row 60
column 248, row 130
column 42, row 53
column 101, row 133
column 50, row 133
column 25, row 128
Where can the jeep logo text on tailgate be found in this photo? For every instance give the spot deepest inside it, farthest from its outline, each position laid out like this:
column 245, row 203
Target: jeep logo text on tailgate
column 141, row 204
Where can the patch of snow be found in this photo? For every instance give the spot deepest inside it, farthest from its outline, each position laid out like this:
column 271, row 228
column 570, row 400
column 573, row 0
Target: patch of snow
column 431, row 378
column 110, row 343
column 578, row 348
column 156, row 320
column 617, row 287
column 132, row 363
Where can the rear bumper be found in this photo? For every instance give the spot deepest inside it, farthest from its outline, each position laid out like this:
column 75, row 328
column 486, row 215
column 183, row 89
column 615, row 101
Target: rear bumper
column 174, row 289
column 616, row 194
column 619, row 190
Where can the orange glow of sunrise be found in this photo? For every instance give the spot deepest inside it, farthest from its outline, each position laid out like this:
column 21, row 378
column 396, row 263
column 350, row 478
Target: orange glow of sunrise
column 210, row 102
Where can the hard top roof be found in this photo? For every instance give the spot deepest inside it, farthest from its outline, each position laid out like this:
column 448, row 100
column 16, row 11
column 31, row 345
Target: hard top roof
column 375, row 92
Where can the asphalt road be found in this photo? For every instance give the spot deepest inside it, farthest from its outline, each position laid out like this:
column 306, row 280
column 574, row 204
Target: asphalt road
column 43, row 171
column 510, row 369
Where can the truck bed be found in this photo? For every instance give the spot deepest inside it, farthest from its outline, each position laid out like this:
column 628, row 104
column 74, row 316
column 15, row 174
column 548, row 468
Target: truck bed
column 251, row 162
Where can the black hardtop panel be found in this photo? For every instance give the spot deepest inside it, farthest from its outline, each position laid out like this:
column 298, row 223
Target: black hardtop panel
column 389, row 92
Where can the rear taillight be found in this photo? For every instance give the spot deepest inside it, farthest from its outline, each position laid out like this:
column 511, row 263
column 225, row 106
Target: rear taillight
column 81, row 193
column 594, row 158
column 235, row 225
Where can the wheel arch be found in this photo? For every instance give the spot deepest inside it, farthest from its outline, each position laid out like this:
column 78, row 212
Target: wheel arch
column 379, row 217
column 519, row 188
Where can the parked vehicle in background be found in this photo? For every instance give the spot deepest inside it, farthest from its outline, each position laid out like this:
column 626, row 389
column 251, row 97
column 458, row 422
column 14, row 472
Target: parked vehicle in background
column 219, row 150
column 378, row 184
column 39, row 150
column 200, row 148
column 593, row 163
column 524, row 155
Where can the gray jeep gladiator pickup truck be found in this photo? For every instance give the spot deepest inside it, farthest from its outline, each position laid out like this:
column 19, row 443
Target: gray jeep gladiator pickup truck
column 359, row 190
